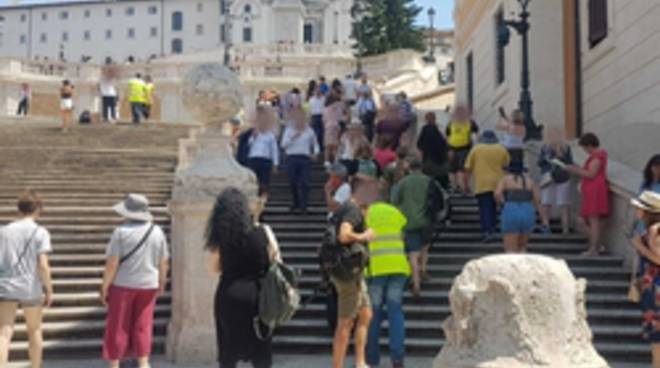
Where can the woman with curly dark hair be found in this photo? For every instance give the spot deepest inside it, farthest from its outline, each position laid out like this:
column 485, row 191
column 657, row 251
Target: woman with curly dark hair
column 652, row 175
column 240, row 253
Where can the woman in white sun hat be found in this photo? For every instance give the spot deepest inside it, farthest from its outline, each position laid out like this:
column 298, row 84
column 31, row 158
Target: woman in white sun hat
column 135, row 275
column 647, row 245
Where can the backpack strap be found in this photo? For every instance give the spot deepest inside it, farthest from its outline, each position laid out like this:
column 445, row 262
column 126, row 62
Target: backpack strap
column 274, row 254
column 138, row 246
column 25, row 249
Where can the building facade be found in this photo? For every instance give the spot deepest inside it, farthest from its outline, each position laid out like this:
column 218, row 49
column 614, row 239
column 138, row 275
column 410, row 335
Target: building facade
column 595, row 67
column 145, row 29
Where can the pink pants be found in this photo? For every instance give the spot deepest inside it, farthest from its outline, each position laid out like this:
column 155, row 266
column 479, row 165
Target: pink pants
column 129, row 324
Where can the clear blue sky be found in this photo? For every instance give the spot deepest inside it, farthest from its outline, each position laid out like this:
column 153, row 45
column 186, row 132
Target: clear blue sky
column 443, row 8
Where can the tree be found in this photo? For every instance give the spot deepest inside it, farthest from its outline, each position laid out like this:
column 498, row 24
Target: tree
column 384, row 25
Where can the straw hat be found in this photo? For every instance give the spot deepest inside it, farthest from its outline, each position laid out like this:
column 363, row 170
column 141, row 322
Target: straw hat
column 647, row 201
column 134, row 207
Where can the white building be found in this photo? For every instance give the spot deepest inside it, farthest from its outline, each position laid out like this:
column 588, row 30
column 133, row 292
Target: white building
column 144, row 29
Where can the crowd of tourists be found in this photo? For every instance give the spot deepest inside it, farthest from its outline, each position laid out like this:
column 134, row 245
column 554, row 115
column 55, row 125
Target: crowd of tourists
column 386, row 193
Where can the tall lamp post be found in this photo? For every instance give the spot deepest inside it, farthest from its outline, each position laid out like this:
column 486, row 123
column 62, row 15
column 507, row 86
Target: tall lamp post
column 358, row 17
column 431, row 14
column 526, row 105
column 226, row 6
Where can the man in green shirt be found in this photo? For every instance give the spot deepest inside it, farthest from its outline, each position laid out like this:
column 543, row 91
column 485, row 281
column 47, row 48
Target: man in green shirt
column 410, row 197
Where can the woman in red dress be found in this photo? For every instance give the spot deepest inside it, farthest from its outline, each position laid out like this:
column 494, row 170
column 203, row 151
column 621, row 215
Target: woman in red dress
column 595, row 190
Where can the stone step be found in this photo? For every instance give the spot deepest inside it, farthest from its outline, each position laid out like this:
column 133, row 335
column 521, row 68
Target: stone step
column 70, row 348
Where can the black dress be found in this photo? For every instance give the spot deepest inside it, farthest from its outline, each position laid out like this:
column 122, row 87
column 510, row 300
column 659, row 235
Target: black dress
column 236, row 302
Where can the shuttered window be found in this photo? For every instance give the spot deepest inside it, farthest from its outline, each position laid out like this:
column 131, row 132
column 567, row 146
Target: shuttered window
column 597, row 21
column 469, row 65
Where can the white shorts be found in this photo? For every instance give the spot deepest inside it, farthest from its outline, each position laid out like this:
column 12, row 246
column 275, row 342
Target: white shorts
column 556, row 194
column 66, row 104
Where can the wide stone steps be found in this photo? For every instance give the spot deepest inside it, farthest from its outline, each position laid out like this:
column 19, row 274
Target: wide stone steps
column 80, row 177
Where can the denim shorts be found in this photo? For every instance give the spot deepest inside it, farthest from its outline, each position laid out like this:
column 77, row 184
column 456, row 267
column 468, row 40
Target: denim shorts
column 416, row 239
column 518, row 218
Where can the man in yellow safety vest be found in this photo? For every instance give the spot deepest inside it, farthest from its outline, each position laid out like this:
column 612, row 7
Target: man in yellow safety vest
column 137, row 97
column 387, row 276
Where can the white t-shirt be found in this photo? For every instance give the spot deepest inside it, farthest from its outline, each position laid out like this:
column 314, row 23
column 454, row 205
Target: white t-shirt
column 342, row 194
column 108, row 89
column 349, row 89
column 316, row 105
column 142, row 269
column 20, row 280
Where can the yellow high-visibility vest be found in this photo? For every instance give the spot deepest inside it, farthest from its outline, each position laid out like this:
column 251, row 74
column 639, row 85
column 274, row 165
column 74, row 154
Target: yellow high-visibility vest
column 387, row 253
column 460, row 134
column 137, row 91
column 149, row 93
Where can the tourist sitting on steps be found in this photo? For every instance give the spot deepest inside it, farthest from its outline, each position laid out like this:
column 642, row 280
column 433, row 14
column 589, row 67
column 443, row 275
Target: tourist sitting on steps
column 24, row 277
column 387, row 276
column 519, row 195
column 352, row 298
column 135, row 275
column 238, row 249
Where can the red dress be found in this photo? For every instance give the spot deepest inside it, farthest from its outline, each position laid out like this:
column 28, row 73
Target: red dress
column 595, row 191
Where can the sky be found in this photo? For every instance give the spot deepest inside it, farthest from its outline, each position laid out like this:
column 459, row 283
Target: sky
column 443, row 9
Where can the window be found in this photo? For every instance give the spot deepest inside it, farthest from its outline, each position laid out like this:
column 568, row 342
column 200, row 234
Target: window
column 130, row 34
column 500, row 54
column 44, row 16
column 597, row 21
column 130, row 11
column 43, row 38
column 153, row 10
column 23, row 39
column 200, row 7
column 469, row 66
column 153, row 32
column 87, row 35
column 223, row 7
column 64, row 15
column 308, row 33
column 65, row 36
column 108, row 34
column 177, row 46
column 23, row 18
column 223, row 33
column 88, row 13
column 247, row 34
column 177, row 21
column 108, row 12
column 199, row 29
column 247, row 9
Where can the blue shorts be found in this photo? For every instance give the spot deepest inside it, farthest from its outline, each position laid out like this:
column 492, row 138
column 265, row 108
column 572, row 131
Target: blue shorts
column 518, row 218
column 416, row 239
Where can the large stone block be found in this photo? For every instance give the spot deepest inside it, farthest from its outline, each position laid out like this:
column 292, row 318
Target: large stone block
column 207, row 167
column 518, row 311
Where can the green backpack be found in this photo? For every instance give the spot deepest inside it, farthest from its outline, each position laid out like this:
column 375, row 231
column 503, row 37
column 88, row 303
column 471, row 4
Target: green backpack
column 279, row 297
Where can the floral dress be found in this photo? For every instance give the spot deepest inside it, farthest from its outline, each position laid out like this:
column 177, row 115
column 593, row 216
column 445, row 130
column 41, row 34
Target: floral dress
column 649, row 302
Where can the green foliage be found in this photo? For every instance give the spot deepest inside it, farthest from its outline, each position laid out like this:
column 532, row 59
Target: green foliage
column 385, row 25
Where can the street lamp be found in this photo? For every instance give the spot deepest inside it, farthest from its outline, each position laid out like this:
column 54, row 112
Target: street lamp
column 431, row 14
column 522, row 26
column 226, row 6
column 357, row 13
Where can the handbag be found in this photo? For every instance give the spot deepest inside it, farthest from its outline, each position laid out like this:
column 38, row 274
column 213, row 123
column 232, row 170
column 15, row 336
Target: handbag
column 635, row 287
column 137, row 247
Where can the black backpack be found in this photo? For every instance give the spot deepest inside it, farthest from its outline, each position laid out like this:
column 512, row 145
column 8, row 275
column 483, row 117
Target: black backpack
column 559, row 175
column 436, row 202
column 85, row 117
column 344, row 263
column 243, row 149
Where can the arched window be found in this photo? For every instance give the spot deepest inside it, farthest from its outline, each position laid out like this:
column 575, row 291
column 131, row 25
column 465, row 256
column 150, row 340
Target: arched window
column 177, row 46
column 247, row 9
column 177, row 21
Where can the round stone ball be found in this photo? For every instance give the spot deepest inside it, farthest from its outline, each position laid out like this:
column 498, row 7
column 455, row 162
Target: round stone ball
column 212, row 93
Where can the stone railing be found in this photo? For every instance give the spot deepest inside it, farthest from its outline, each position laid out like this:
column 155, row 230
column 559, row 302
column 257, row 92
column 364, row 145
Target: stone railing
column 240, row 52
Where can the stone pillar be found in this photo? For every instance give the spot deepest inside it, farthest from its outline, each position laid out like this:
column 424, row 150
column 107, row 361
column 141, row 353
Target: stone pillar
column 212, row 94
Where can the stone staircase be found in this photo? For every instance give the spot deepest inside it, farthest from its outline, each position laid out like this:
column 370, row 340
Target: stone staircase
column 83, row 173
column 80, row 176
column 615, row 322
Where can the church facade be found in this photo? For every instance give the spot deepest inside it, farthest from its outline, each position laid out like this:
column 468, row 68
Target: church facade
column 140, row 30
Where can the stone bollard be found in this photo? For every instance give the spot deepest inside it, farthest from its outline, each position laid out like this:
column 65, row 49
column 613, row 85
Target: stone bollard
column 212, row 94
column 518, row 311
